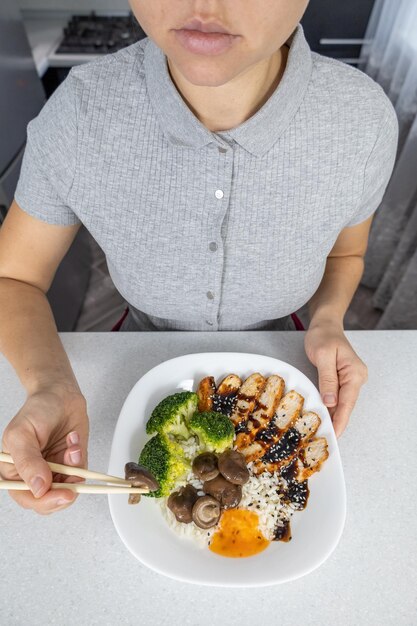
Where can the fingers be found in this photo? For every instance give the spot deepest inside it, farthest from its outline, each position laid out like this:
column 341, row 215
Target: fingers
column 74, row 456
column 73, row 453
column 347, row 399
column 76, row 453
column 332, row 411
column 340, row 389
column 54, row 500
column 341, row 372
column 348, row 395
column 328, row 379
column 22, row 444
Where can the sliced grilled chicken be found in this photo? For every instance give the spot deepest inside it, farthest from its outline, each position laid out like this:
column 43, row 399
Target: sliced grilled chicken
column 311, row 457
column 230, row 384
column 247, row 396
column 289, row 471
column 251, row 451
column 263, row 413
column 279, row 453
column 268, row 401
column 225, row 397
column 266, row 442
column 205, row 392
column 307, row 424
column 288, row 410
column 301, row 464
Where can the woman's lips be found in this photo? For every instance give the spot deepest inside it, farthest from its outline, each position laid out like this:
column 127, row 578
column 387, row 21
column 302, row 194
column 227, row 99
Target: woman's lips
column 204, row 43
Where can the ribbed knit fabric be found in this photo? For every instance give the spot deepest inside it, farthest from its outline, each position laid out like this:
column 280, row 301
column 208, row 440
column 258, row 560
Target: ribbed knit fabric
column 202, row 230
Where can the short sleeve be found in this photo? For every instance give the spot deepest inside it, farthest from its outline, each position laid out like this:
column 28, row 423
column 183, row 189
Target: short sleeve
column 379, row 165
column 49, row 161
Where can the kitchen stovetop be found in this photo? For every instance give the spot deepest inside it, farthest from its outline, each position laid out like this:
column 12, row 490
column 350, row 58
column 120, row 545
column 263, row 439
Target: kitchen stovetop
column 97, row 34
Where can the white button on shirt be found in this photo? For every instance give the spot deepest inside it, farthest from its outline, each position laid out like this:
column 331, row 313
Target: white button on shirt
column 219, row 194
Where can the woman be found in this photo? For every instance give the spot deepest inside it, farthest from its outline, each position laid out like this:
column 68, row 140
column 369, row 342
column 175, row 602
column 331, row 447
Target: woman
column 229, row 174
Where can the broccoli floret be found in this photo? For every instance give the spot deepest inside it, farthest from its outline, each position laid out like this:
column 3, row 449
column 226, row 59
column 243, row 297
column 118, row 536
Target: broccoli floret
column 171, row 415
column 214, row 430
column 166, row 461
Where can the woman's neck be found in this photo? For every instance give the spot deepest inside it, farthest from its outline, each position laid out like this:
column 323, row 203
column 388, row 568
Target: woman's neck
column 225, row 107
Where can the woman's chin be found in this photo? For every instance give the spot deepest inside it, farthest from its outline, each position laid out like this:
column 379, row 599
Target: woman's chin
column 202, row 73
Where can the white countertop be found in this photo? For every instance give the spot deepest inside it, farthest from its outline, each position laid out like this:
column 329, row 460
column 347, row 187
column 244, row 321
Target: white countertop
column 44, row 37
column 70, row 568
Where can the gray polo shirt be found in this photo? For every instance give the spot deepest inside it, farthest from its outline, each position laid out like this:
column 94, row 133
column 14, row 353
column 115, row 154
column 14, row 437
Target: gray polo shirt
column 204, row 230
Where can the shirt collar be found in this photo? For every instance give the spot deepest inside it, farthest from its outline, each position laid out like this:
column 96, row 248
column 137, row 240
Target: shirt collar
column 259, row 133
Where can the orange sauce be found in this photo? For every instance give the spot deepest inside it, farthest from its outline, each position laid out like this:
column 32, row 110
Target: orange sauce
column 238, row 535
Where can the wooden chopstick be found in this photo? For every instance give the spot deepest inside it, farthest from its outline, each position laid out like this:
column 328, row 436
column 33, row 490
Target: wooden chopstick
column 68, row 470
column 17, row 485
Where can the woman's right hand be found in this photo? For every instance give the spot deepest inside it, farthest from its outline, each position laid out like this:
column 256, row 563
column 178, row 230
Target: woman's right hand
column 52, row 425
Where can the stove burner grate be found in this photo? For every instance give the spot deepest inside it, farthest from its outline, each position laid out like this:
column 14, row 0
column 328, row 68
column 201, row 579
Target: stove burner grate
column 96, row 34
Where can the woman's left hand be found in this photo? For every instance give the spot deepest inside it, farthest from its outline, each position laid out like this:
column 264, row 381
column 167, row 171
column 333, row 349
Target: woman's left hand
column 341, row 372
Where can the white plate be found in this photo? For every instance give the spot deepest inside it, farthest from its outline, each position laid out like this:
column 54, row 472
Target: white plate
column 315, row 531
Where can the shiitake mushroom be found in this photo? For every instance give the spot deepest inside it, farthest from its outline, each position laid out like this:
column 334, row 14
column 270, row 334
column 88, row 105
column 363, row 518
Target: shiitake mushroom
column 232, row 466
column 206, row 512
column 228, row 494
column 141, row 477
column 222, row 477
column 181, row 503
column 205, row 466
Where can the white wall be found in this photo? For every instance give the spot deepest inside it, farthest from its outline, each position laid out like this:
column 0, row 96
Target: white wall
column 108, row 6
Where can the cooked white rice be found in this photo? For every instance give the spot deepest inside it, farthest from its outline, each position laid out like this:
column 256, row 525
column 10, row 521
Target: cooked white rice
column 200, row 536
column 191, row 447
column 261, row 495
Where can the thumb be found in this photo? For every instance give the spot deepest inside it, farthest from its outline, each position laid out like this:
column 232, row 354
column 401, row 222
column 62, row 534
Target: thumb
column 23, row 446
column 328, row 382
